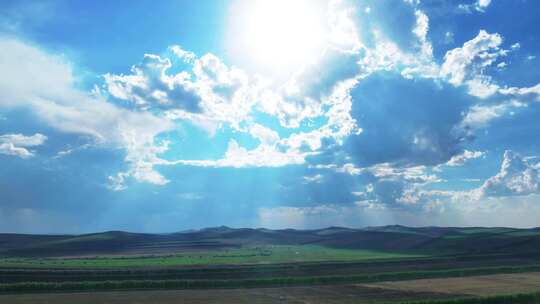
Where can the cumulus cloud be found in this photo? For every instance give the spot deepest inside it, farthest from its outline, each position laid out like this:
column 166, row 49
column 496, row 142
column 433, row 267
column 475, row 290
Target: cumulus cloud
column 466, row 64
column 225, row 95
column 150, row 85
column 516, row 177
column 470, row 65
column 391, row 185
column 17, row 144
column 205, row 90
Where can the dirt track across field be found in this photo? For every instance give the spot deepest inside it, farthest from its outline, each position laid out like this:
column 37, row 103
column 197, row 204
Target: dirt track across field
column 488, row 285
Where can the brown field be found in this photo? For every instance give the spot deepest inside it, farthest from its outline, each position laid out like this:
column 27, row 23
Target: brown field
column 489, row 285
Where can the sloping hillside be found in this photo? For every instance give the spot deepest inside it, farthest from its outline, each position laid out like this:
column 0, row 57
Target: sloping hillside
column 433, row 240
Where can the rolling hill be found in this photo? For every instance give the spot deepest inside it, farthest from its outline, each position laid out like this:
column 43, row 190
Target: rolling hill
column 439, row 240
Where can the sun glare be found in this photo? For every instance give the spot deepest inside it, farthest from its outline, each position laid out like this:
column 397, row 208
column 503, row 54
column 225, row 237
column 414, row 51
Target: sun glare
column 277, row 35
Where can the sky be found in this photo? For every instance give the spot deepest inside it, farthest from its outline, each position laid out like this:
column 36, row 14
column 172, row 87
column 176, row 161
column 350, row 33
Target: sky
column 162, row 116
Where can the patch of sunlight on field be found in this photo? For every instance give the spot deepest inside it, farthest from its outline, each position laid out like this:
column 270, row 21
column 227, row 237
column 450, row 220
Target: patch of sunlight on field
column 249, row 255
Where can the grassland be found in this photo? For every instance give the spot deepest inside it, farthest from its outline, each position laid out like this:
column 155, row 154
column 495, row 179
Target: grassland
column 249, row 255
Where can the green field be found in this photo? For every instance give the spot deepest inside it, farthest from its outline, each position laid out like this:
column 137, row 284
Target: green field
column 249, row 255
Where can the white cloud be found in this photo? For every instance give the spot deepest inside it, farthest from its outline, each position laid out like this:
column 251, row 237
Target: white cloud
column 343, row 33
column 142, row 155
column 481, row 86
column 448, row 38
column 50, row 75
column 317, row 178
column 71, row 150
column 226, row 96
column 516, row 177
column 271, row 152
column 187, row 56
column 347, row 168
column 461, row 159
column 51, row 95
column 386, row 54
column 389, row 185
column 150, row 85
column 264, row 134
column 480, row 115
column 482, row 4
column 205, row 90
column 416, row 174
column 479, row 6
column 263, row 155
column 421, row 31
column 312, row 91
column 17, row 144
column 466, row 64
column 422, row 25
column 522, row 92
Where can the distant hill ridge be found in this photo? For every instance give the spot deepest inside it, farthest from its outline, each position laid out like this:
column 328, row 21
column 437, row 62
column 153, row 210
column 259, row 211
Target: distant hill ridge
column 394, row 238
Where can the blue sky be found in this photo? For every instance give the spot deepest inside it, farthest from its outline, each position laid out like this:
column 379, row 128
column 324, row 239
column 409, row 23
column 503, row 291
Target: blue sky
column 171, row 115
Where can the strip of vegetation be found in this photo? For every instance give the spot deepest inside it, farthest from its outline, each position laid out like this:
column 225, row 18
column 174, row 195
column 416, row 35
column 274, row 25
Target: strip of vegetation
column 247, row 255
column 250, row 283
column 527, row 298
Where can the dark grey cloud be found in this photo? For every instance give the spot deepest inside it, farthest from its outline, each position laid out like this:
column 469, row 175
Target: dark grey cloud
column 406, row 121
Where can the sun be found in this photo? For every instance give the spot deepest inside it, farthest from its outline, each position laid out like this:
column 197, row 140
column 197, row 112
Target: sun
column 277, row 35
